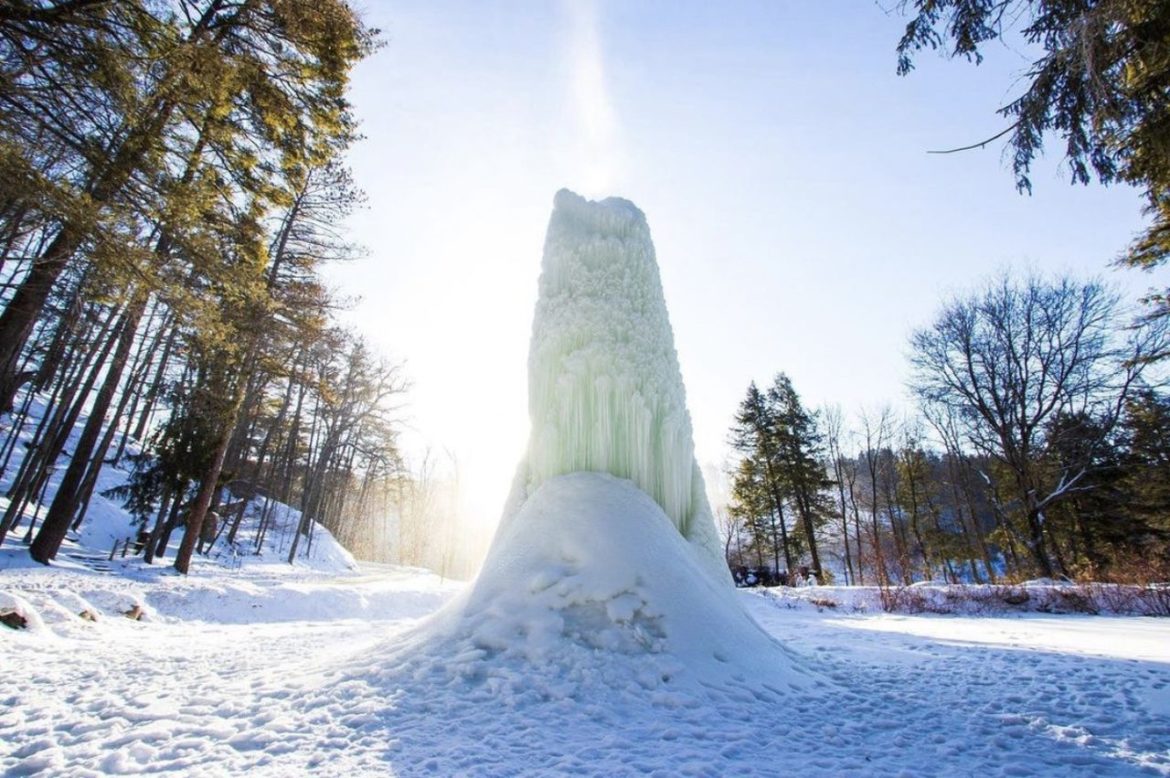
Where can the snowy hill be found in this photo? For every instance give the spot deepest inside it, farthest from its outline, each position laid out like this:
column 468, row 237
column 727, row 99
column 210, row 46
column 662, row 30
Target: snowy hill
column 108, row 526
column 590, row 590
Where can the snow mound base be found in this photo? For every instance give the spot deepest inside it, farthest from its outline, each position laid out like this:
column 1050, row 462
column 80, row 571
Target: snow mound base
column 591, row 589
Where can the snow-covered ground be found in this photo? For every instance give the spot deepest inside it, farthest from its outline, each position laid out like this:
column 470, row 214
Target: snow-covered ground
column 278, row 670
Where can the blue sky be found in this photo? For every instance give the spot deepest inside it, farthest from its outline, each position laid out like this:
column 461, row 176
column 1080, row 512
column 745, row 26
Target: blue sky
column 800, row 224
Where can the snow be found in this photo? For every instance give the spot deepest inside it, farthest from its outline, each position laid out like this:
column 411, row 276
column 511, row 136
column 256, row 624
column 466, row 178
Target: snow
column 286, row 689
column 201, row 685
column 105, row 522
column 605, row 392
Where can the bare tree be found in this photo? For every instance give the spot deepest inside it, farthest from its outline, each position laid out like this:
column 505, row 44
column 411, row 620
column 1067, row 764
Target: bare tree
column 960, row 476
column 834, row 429
column 1017, row 355
column 876, row 433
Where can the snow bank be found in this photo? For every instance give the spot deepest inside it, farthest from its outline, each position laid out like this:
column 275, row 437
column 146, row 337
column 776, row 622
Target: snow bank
column 108, row 523
column 605, row 393
column 1040, row 596
column 77, row 603
column 390, row 593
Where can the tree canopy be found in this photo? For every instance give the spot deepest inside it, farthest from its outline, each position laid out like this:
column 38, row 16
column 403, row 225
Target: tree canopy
column 1101, row 84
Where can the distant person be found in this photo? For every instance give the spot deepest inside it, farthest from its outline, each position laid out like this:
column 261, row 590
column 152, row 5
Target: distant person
column 208, row 531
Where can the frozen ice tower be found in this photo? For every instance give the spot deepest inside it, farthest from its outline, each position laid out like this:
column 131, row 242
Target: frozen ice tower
column 606, row 580
column 605, row 393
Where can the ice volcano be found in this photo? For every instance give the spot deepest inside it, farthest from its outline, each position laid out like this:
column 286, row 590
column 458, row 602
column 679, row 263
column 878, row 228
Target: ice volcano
column 606, row 572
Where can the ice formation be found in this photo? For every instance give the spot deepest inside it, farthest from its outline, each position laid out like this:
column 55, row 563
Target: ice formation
column 605, row 393
column 606, row 575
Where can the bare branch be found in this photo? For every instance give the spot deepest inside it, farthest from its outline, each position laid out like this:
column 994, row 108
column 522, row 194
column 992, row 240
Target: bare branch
column 980, row 144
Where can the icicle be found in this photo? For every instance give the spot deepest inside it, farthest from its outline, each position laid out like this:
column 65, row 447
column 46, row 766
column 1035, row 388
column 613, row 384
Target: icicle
column 605, row 392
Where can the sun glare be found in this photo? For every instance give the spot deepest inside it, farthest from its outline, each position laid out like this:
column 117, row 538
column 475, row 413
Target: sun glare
column 598, row 153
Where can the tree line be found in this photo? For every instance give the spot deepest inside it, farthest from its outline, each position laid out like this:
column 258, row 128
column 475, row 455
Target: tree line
column 1039, row 445
column 1038, row 442
column 172, row 188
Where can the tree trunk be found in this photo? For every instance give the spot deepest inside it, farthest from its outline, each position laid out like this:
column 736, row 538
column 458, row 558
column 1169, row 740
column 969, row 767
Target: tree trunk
column 172, row 522
column 20, row 315
column 1036, row 544
column 40, row 459
column 207, row 489
column 838, row 473
column 148, row 549
column 804, row 505
column 98, row 461
column 65, row 502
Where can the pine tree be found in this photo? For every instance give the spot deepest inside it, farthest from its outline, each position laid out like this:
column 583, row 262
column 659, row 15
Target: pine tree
column 754, row 508
column 781, row 473
column 799, row 449
column 754, row 436
column 1144, row 485
column 262, row 82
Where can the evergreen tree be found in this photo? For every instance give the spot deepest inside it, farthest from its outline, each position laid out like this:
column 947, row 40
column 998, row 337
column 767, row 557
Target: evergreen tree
column 173, row 171
column 1100, row 83
column 752, row 506
column 1091, row 524
column 799, row 448
column 1144, row 484
column 262, row 82
column 754, row 436
column 781, row 473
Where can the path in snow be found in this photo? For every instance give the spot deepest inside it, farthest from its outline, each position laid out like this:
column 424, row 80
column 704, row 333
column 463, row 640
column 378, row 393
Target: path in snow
column 330, row 693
